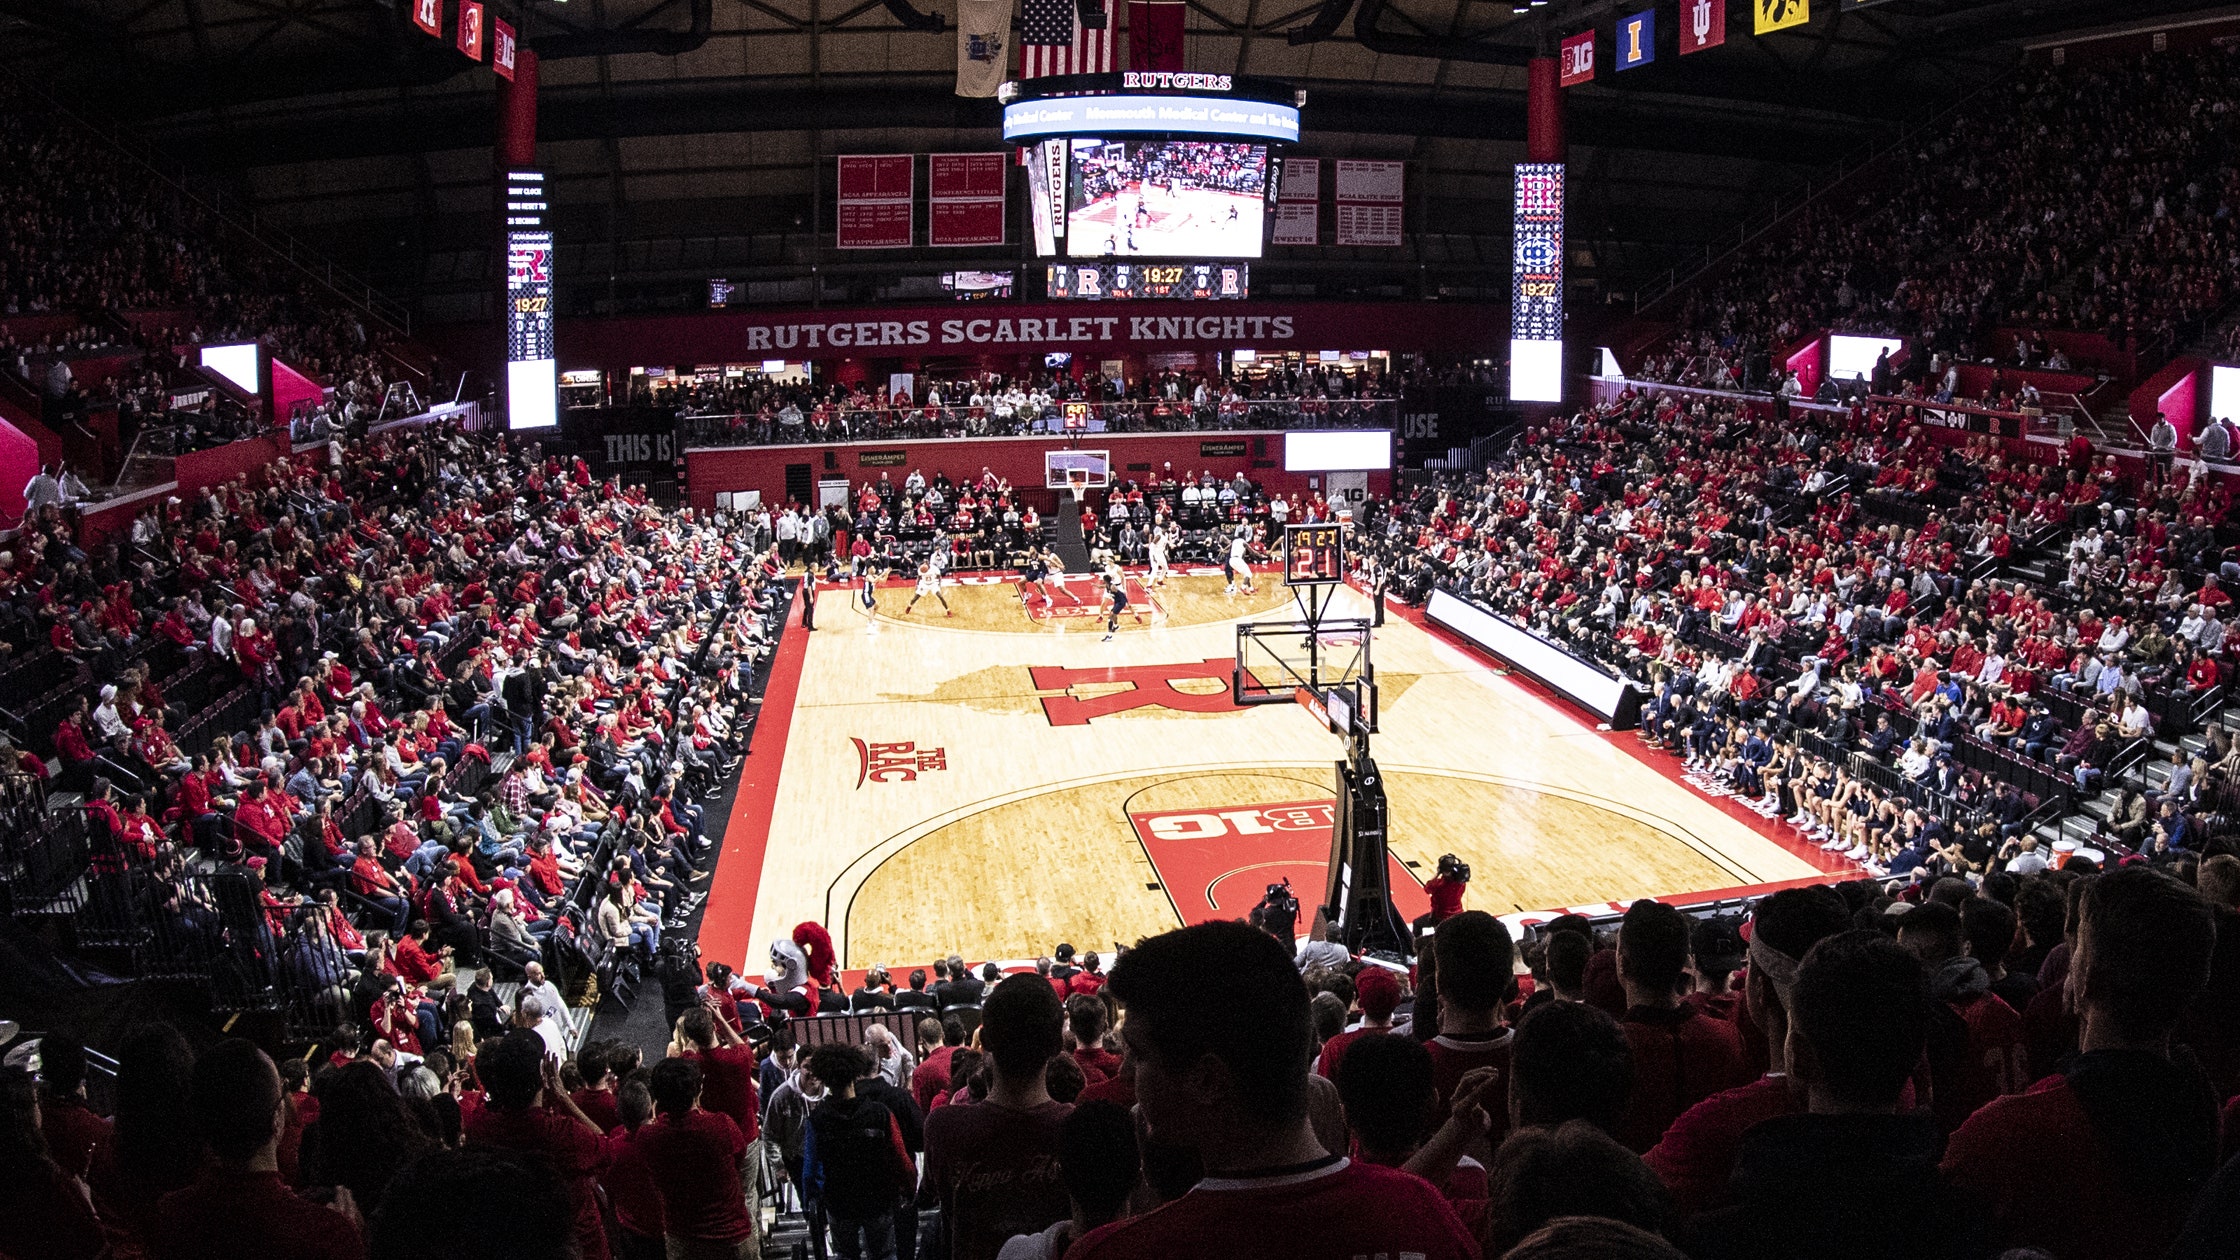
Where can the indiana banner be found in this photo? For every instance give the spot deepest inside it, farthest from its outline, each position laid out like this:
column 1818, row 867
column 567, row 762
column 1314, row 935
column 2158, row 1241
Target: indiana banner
column 1703, row 24
column 1637, row 40
column 428, row 16
column 1155, row 34
column 470, row 29
column 1780, row 15
column 983, row 39
column 502, row 47
column 1577, row 65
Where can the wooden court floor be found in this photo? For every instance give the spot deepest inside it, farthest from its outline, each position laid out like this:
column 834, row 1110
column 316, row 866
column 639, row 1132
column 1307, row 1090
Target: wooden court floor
column 998, row 780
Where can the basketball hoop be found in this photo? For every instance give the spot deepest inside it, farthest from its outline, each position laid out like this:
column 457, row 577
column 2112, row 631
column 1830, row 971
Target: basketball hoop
column 1077, row 481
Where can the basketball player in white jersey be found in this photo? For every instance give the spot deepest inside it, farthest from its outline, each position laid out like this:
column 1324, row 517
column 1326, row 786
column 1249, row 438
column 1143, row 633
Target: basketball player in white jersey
column 1240, row 570
column 1059, row 578
column 1159, row 570
column 929, row 583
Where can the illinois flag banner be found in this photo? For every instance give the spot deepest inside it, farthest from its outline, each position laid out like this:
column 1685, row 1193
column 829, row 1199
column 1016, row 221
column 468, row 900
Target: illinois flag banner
column 1577, row 64
column 1052, row 39
column 1780, row 15
column 502, row 47
column 428, row 16
column 1703, row 24
column 470, row 29
column 1155, row 34
column 1637, row 40
column 983, row 45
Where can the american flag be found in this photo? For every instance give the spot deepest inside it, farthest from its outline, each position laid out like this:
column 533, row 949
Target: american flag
column 1051, row 40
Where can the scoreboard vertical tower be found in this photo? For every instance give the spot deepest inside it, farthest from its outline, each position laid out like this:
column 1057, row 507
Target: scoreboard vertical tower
column 532, row 366
column 1536, row 285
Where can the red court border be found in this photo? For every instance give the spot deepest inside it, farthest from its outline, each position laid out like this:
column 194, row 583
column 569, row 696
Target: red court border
column 727, row 920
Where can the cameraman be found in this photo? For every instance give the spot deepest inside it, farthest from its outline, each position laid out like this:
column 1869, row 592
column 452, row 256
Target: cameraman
column 1278, row 914
column 1446, row 889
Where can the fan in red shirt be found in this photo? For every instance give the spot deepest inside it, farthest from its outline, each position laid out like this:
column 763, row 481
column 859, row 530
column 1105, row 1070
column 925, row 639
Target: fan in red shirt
column 1697, row 1155
column 2128, row 1132
column 1680, row 1055
column 1218, row 1031
column 1475, row 962
column 1975, row 1038
column 1087, row 1018
column 1377, row 992
column 727, row 1066
column 239, row 1206
column 525, row 1110
column 931, row 1076
column 694, row 1156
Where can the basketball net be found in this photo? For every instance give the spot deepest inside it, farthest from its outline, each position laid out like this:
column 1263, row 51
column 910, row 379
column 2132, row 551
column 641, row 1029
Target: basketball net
column 1077, row 481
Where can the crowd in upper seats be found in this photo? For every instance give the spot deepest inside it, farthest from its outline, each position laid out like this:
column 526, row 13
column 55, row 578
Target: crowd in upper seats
column 1842, row 576
column 2098, row 196
column 89, row 233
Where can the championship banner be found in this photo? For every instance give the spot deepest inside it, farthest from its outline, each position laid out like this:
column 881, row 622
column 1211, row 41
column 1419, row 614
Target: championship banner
column 1577, row 64
column 1298, row 217
column 878, row 193
column 470, row 29
column 502, row 46
column 1780, row 15
column 1703, row 24
column 1637, row 40
column 428, row 16
column 965, row 198
column 1155, row 35
column 983, row 36
column 1370, row 202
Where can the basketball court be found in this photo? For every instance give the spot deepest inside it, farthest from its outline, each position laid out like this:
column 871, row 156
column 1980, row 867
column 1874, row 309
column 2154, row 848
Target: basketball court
column 995, row 781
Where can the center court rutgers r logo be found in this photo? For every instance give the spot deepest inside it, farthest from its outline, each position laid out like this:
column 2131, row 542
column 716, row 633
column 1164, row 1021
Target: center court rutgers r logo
column 1149, row 686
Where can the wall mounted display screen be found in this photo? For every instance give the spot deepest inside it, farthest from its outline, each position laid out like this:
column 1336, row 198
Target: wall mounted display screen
column 1122, row 281
column 1853, row 358
column 1536, row 285
column 1165, row 199
column 236, row 363
column 1337, row 450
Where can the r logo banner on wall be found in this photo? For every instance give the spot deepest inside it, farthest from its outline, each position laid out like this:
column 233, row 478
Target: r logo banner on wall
column 1703, row 24
column 1578, row 59
column 428, row 16
column 1637, row 40
column 501, row 47
column 1298, row 218
column 470, row 29
column 1370, row 202
column 965, row 193
column 1780, row 15
column 878, row 193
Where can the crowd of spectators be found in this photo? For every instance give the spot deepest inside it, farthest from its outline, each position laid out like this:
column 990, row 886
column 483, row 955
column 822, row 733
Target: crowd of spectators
column 2098, row 196
column 93, row 235
column 1843, row 1072
column 995, row 404
column 1826, row 616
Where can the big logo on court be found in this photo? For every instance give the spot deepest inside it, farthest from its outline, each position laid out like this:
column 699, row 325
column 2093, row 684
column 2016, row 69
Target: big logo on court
column 1217, row 861
column 1149, row 686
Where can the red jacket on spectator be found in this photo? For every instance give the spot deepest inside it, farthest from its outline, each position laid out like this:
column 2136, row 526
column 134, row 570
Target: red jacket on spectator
column 1680, row 1058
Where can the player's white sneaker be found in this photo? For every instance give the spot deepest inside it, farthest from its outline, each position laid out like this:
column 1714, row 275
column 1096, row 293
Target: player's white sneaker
column 1108, row 636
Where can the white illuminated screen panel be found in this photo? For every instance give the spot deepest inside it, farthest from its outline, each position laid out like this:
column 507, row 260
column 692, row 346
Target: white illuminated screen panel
column 1852, row 358
column 1536, row 371
column 235, row 363
column 1355, row 450
column 2224, row 393
column 532, row 394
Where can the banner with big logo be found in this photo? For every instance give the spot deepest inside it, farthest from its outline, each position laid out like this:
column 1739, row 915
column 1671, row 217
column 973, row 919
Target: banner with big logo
column 1577, row 62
